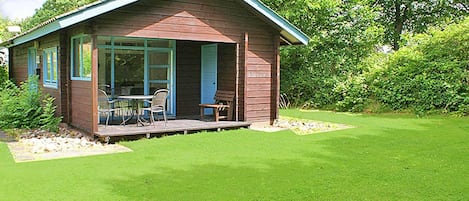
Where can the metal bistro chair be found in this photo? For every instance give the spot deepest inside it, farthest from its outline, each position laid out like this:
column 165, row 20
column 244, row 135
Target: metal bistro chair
column 106, row 106
column 158, row 104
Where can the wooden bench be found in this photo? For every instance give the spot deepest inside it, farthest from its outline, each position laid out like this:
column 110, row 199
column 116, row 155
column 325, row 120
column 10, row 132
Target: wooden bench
column 223, row 102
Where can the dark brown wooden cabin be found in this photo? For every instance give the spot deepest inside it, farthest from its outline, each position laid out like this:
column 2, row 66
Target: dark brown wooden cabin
column 137, row 46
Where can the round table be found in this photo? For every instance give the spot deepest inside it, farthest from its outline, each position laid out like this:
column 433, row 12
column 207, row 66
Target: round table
column 136, row 98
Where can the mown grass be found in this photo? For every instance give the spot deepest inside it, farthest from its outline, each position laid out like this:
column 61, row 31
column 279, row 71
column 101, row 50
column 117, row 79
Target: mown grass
column 386, row 157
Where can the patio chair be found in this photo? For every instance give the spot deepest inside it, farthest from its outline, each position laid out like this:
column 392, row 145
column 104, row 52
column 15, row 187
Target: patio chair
column 158, row 104
column 106, row 106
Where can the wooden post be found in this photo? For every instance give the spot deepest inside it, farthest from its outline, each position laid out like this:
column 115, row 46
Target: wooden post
column 94, row 82
column 245, row 69
column 237, row 84
column 11, row 62
column 275, row 92
column 65, row 77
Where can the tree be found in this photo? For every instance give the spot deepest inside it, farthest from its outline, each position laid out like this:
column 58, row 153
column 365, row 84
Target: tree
column 342, row 34
column 415, row 16
column 4, row 23
column 430, row 73
column 52, row 8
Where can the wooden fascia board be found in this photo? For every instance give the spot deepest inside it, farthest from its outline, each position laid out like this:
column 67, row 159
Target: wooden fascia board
column 71, row 19
column 289, row 31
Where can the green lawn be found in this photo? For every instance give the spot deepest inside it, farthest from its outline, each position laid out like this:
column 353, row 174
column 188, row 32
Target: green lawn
column 386, row 157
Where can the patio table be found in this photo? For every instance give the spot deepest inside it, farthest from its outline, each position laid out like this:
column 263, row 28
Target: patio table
column 136, row 98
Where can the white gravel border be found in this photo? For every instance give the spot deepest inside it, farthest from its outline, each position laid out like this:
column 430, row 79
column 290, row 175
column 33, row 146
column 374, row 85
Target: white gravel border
column 35, row 149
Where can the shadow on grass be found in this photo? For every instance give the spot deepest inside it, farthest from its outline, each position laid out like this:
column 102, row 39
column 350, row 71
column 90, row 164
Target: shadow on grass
column 282, row 180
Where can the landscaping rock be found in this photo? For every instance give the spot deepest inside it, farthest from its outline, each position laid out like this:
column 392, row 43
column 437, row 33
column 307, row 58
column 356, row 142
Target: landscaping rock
column 304, row 127
column 41, row 141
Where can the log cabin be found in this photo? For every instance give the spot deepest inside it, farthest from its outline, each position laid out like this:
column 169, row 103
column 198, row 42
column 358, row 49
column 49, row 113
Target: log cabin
column 191, row 47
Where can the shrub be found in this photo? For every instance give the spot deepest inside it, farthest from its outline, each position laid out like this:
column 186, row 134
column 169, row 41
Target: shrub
column 3, row 75
column 342, row 34
column 26, row 107
column 431, row 74
column 353, row 94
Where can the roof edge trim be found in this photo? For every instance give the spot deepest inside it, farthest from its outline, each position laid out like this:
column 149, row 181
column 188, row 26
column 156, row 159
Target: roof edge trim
column 279, row 20
column 69, row 19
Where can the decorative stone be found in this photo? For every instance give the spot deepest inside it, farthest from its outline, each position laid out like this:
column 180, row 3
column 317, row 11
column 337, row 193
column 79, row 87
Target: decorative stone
column 41, row 141
column 303, row 127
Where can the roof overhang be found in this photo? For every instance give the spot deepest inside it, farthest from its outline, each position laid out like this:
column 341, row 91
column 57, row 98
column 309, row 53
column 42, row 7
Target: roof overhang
column 67, row 20
column 289, row 33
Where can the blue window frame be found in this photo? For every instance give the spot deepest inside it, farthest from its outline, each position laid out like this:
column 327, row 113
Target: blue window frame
column 81, row 58
column 50, row 66
column 159, row 65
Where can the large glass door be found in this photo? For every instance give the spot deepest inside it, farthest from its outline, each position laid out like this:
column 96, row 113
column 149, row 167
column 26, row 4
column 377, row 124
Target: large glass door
column 129, row 72
column 160, row 71
column 136, row 66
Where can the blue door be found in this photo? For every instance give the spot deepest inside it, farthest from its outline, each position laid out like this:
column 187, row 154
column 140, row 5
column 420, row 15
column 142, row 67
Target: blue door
column 208, row 86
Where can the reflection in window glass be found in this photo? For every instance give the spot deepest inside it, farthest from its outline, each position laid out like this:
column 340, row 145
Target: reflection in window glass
column 159, row 58
column 123, row 62
column 76, row 58
column 50, row 66
column 86, row 57
column 104, row 70
column 156, row 86
column 160, row 43
column 133, row 42
column 128, row 71
column 81, row 57
column 158, row 74
column 54, row 62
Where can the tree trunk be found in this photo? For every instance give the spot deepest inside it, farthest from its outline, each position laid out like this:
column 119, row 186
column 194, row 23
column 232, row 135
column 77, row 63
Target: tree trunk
column 398, row 26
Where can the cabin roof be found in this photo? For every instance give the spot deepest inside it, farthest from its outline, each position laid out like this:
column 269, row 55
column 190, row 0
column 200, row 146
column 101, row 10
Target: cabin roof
column 289, row 33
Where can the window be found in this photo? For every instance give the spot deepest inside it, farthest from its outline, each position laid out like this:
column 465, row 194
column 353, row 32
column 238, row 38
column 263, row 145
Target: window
column 81, row 57
column 137, row 66
column 50, row 68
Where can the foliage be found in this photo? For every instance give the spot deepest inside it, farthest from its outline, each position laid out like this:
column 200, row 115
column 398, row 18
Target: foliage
column 342, row 33
column 415, row 16
column 353, row 93
column 3, row 75
column 336, row 70
column 4, row 23
column 52, row 8
column 432, row 73
column 340, row 69
column 25, row 107
column 47, row 119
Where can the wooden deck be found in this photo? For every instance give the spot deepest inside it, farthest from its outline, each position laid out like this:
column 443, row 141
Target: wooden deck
column 181, row 126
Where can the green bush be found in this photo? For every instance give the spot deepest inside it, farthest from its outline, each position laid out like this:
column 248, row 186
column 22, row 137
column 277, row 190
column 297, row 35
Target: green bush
column 3, row 75
column 341, row 36
column 353, row 93
column 26, row 107
column 430, row 74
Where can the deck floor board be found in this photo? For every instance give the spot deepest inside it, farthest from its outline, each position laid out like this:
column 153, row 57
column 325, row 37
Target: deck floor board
column 173, row 126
